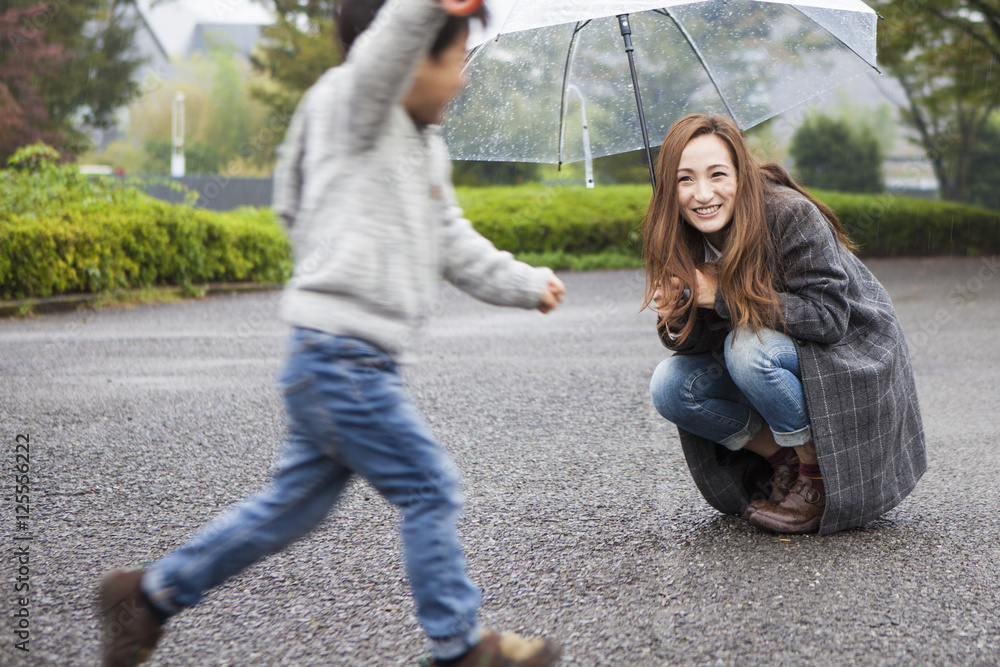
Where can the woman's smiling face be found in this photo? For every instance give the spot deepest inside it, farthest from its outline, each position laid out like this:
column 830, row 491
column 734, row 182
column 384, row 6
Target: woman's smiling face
column 706, row 186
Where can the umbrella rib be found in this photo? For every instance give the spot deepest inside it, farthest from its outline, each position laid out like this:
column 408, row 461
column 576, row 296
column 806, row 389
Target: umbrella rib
column 701, row 58
column 562, row 106
column 874, row 67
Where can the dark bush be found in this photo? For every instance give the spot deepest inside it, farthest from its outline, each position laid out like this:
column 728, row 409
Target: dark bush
column 984, row 168
column 831, row 155
column 479, row 174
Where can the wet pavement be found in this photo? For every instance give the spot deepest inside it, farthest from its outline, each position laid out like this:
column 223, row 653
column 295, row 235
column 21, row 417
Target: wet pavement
column 582, row 521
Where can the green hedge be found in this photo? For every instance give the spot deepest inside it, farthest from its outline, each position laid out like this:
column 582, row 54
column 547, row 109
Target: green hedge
column 888, row 225
column 87, row 251
column 577, row 221
column 573, row 220
column 63, row 233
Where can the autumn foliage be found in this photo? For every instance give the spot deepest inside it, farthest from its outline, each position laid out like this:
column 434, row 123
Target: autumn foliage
column 26, row 59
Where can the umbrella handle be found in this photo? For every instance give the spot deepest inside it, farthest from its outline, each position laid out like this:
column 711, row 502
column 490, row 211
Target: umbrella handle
column 461, row 7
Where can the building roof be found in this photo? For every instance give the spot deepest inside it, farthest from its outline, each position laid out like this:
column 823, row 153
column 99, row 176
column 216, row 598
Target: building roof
column 174, row 23
column 239, row 36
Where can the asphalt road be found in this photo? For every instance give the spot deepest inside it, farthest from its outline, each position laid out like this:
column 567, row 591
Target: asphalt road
column 582, row 521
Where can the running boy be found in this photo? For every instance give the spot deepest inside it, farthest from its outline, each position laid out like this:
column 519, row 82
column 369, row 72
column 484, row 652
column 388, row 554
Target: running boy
column 363, row 185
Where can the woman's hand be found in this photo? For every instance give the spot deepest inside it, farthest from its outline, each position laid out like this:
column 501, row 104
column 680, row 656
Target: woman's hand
column 708, row 284
column 668, row 302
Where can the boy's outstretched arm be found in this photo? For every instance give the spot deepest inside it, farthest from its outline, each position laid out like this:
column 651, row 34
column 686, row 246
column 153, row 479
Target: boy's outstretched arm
column 384, row 59
column 473, row 264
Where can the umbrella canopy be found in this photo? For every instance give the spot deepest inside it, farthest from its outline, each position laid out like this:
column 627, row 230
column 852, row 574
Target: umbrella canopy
column 550, row 82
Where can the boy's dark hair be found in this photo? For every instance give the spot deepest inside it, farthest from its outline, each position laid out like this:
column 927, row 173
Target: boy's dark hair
column 354, row 16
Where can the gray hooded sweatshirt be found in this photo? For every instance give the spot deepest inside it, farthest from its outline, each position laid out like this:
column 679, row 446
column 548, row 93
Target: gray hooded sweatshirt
column 367, row 199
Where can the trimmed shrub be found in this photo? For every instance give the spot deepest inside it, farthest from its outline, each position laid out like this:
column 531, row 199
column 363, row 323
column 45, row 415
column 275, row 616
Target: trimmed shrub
column 892, row 226
column 61, row 232
column 572, row 220
column 83, row 252
column 577, row 221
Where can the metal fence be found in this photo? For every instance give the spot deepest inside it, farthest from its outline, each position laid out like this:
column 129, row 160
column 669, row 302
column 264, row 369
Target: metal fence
column 218, row 192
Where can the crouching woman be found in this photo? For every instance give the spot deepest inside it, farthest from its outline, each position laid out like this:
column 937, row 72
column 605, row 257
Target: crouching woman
column 791, row 384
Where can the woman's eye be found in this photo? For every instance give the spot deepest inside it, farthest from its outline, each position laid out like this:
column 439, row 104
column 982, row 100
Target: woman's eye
column 718, row 173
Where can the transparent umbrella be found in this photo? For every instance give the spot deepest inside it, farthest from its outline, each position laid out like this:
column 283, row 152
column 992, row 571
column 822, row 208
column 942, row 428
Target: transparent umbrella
column 562, row 80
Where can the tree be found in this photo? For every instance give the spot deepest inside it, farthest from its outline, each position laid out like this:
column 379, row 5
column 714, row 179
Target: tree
column 830, row 155
column 86, row 78
column 223, row 125
column 977, row 19
column 944, row 52
column 296, row 51
column 300, row 47
column 26, row 61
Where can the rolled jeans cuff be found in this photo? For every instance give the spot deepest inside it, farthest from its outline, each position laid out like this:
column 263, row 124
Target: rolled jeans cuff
column 793, row 438
column 453, row 647
column 159, row 593
column 739, row 440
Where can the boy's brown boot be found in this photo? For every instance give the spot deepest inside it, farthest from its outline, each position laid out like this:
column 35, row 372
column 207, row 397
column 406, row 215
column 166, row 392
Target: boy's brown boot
column 129, row 628
column 508, row 650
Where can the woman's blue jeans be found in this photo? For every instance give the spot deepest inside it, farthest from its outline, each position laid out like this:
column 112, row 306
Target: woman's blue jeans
column 728, row 396
column 349, row 413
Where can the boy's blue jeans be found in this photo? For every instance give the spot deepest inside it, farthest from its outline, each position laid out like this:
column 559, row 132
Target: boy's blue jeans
column 349, row 413
column 727, row 397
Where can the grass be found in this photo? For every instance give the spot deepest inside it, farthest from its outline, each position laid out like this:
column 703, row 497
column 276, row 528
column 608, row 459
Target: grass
column 114, row 298
column 145, row 296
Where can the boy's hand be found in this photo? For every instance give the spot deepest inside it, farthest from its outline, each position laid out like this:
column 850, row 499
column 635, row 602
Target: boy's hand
column 552, row 295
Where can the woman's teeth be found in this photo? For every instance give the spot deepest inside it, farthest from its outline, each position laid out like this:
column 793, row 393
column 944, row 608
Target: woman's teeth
column 708, row 210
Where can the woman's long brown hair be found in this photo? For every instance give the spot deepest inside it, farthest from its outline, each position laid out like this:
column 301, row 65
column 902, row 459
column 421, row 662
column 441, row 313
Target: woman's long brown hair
column 750, row 260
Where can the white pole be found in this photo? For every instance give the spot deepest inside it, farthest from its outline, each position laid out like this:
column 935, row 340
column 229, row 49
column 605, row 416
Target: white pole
column 588, row 155
column 177, row 167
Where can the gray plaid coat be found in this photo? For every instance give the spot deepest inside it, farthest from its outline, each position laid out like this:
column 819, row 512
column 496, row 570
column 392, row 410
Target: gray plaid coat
column 859, row 389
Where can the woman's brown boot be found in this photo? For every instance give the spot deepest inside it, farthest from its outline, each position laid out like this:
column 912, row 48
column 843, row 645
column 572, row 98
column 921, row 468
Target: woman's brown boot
column 799, row 512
